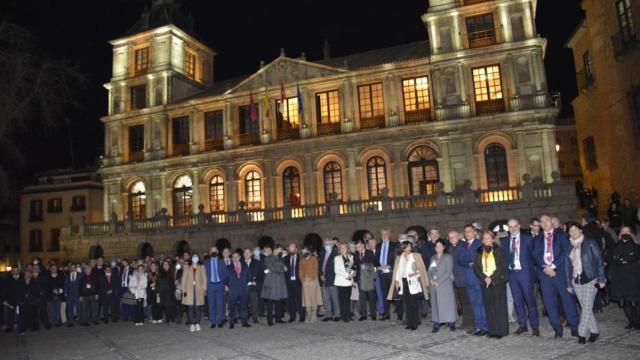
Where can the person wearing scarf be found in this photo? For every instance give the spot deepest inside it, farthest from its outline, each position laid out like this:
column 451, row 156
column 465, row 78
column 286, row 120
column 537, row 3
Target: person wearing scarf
column 343, row 266
column 624, row 272
column 491, row 269
column 585, row 274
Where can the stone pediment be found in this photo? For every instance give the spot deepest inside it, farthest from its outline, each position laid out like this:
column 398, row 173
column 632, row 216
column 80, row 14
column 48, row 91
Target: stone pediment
column 284, row 70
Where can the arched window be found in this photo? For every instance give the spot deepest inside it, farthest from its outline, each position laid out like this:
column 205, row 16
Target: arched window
column 137, row 201
column 332, row 181
column 423, row 171
column 182, row 196
column 291, row 186
column 252, row 190
column 216, row 194
column 376, row 176
column 495, row 158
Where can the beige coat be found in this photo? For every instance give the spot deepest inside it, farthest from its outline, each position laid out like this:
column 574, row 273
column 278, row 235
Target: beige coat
column 424, row 280
column 187, row 285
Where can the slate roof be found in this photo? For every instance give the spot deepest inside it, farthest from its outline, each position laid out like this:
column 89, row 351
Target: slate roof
column 162, row 13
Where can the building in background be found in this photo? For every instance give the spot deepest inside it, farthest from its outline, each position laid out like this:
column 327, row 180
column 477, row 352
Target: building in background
column 58, row 198
column 567, row 149
column 606, row 51
column 9, row 244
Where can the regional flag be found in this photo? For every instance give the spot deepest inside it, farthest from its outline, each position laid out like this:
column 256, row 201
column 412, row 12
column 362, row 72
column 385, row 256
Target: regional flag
column 266, row 108
column 283, row 98
column 299, row 95
column 252, row 106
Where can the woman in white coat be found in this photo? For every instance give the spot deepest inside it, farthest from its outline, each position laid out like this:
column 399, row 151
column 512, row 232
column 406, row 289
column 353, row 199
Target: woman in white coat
column 138, row 287
column 343, row 266
column 411, row 281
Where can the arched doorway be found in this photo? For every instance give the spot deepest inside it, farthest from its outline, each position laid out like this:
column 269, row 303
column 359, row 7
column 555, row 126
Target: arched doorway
column 95, row 252
column 182, row 247
column 183, row 196
column 424, row 174
column 137, row 201
column 146, row 250
column 495, row 158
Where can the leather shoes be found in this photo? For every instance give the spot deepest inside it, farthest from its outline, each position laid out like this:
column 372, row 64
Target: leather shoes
column 213, row 326
column 326, row 319
column 582, row 340
column 336, row 319
column 521, row 330
column 362, row 318
column 574, row 333
column 593, row 337
column 472, row 331
column 246, row 325
column 536, row 332
column 557, row 335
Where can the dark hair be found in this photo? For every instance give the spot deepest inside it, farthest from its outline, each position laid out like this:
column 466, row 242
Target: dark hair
column 361, row 241
column 470, row 226
column 335, row 238
column 571, row 224
column 440, row 241
column 406, row 243
column 534, row 219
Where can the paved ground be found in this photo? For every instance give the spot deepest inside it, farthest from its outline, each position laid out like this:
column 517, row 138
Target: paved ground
column 353, row 341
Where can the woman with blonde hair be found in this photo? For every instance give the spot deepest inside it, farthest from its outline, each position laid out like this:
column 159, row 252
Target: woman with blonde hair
column 411, row 282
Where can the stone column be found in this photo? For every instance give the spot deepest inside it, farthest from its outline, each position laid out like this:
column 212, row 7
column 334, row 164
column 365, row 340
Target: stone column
column 230, row 188
column 310, row 195
column 522, row 156
column 549, row 155
column 505, row 22
column 457, row 39
column 529, row 29
column 435, row 38
column 196, row 200
column 398, row 172
column 269, row 191
column 353, row 187
column 164, row 202
column 462, row 83
column 446, row 167
column 471, row 164
column 227, row 125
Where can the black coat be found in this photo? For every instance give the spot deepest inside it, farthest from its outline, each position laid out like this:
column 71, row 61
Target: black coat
column 624, row 271
column 55, row 283
column 88, row 285
column 500, row 275
column 11, row 288
column 108, row 287
column 166, row 287
column 28, row 293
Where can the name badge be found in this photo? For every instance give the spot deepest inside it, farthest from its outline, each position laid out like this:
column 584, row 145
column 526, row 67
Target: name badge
column 293, row 278
column 547, row 255
column 194, row 283
column 88, row 286
column 433, row 264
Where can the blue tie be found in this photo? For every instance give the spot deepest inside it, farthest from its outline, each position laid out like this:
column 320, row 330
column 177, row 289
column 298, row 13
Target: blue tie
column 214, row 270
column 384, row 253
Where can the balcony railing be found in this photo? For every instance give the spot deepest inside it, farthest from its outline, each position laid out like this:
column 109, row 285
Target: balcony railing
column 180, row 149
column 372, row 122
column 136, row 156
column 625, row 40
column 329, row 128
column 585, row 79
column 490, row 107
column 471, row 2
column 482, row 38
column 529, row 102
column 248, row 139
column 288, row 133
column 417, row 116
column 457, row 111
column 214, row 144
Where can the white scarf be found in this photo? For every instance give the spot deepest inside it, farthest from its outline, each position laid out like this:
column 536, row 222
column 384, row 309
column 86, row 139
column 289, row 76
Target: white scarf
column 575, row 255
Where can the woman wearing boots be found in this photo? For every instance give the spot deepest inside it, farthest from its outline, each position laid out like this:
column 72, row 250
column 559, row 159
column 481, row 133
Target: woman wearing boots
column 311, row 294
column 625, row 276
column 585, row 275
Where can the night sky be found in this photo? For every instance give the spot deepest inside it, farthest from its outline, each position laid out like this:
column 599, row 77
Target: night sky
column 242, row 33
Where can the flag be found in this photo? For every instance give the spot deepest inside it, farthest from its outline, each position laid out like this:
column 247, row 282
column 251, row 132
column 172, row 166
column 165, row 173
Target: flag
column 266, row 109
column 299, row 95
column 252, row 106
column 283, row 97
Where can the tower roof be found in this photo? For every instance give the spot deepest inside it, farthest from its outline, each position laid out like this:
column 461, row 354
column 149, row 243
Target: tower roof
column 162, row 13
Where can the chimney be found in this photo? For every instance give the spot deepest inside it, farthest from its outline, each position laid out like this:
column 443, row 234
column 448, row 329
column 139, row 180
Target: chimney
column 326, row 49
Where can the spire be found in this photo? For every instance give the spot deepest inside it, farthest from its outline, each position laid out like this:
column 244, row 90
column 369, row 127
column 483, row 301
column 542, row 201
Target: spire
column 326, row 49
column 161, row 13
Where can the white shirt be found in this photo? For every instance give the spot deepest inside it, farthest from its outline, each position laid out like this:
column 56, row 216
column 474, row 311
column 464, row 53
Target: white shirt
column 516, row 251
column 406, row 267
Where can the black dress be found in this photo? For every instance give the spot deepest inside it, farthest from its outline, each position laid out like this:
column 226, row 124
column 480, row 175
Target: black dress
column 494, row 296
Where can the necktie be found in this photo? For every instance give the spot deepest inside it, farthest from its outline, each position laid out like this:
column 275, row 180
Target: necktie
column 514, row 246
column 324, row 264
column 73, row 277
column 383, row 256
column 549, row 237
column 238, row 270
column 293, row 266
column 214, row 270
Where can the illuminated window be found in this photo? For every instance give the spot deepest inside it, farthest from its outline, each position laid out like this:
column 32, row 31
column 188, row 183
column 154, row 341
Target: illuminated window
column 376, row 176
column 252, row 190
column 371, row 101
column 423, row 171
column 495, row 157
column 137, row 201
column 78, row 203
column 417, row 105
column 136, row 143
column 216, row 194
column 287, row 115
column 142, row 60
column 480, row 30
column 182, row 196
column 332, row 174
column 138, row 97
column 487, row 87
column 35, row 240
column 291, row 186
column 190, row 63
column 328, row 104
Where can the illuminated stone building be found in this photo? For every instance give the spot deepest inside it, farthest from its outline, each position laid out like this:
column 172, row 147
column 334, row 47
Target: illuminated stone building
column 607, row 109
column 464, row 115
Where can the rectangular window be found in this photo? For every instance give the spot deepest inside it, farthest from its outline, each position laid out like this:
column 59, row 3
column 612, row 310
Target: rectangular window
column 288, row 118
column 481, row 30
column 180, row 127
column 371, row 103
column 213, row 130
column 487, row 86
column 635, row 119
column 589, row 147
column 417, row 105
column 249, row 129
column 586, row 63
column 54, row 245
column 142, row 60
column 35, row 240
column 54, row 205
column 78, row 203
column 138, row 97
column 35, row 210
column 136, row 143
column 328, row 106
column 190, row 63
column 625, row 21
column 517, row 27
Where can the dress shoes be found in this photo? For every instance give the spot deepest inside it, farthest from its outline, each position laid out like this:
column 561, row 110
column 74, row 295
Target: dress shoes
column 362, row 318
column 521, row 330
column 536, row 332
column 574, row 333
column 557, row 335
column 593, row 337
column 582, row 340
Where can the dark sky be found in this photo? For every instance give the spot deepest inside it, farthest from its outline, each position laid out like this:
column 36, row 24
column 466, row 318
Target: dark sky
column 243, row 33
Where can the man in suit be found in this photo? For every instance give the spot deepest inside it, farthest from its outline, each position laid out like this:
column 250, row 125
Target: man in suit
column 551, row 251
column 126, row 272
column 216, row 270
column 466, row 256
column 237, row 280
column 294, row 285
column 327, row 277
column 88, row 291
column 384, row 261
column 28, row 302
column 72, row 290
column 10, row 301
column 364, row 260
column 55, row 295
column 40, row 276
column 255, row 273
column 518, row 247
column 109, row 288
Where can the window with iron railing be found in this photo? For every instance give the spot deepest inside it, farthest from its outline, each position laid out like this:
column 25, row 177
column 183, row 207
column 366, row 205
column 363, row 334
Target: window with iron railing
column 332, row 174
column 54, row 205
column 249, row 128
column 180, row 128
column 417, row 103
column 35, row 241
column 78, row 203
column 371, row 103
column 253, row 190
column 35, row 210
column 213, row 130
column 54, row 245
column 328, row 110
column 291, row 186
column 487, row 86
column 288, row 118
column 216, row 194
column 626, row 37
column 136, row 143
column 481, row 31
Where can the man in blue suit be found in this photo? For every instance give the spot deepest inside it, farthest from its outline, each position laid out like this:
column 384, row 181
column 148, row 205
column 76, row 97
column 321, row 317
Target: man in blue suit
column 327, row 274
column 237, row 280
column 294, row 284
column 551, row 251
column 518, row 248
column 216, row 270
column 72, row 290
column 125, row 274
column 466, row 255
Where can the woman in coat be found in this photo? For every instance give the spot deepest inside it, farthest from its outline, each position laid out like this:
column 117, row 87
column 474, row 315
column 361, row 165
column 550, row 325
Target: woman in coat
column 443, row 301
column 153, row 297
column 411, row 281
column 166, row 288
column 585, row 275
column 194, row 286
column 491, row 269
column 274, row 287
column 624, row 271
column 311, row 294
column 138, row 287
column 343, row 267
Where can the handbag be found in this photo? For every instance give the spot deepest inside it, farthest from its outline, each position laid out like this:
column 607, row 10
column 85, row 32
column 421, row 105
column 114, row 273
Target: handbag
column 128, row 298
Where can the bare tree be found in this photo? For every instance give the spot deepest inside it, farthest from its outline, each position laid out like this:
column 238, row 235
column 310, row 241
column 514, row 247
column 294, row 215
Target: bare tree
column 35, row 92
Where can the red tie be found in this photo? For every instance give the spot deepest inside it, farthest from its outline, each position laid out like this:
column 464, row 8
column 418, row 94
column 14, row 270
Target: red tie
column 238, row 270
column 549, row 237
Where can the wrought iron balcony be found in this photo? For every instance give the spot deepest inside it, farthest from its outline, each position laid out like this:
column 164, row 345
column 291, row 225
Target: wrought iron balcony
column 214, row 144
column 490, row 107
column 585, row 79
column 372, row 122
column 288, row 133
column 329, row 128
column 482, row 38
column 418, row 116
column 624, row 41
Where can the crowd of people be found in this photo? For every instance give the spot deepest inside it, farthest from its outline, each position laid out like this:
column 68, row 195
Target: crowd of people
column 473, row 279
